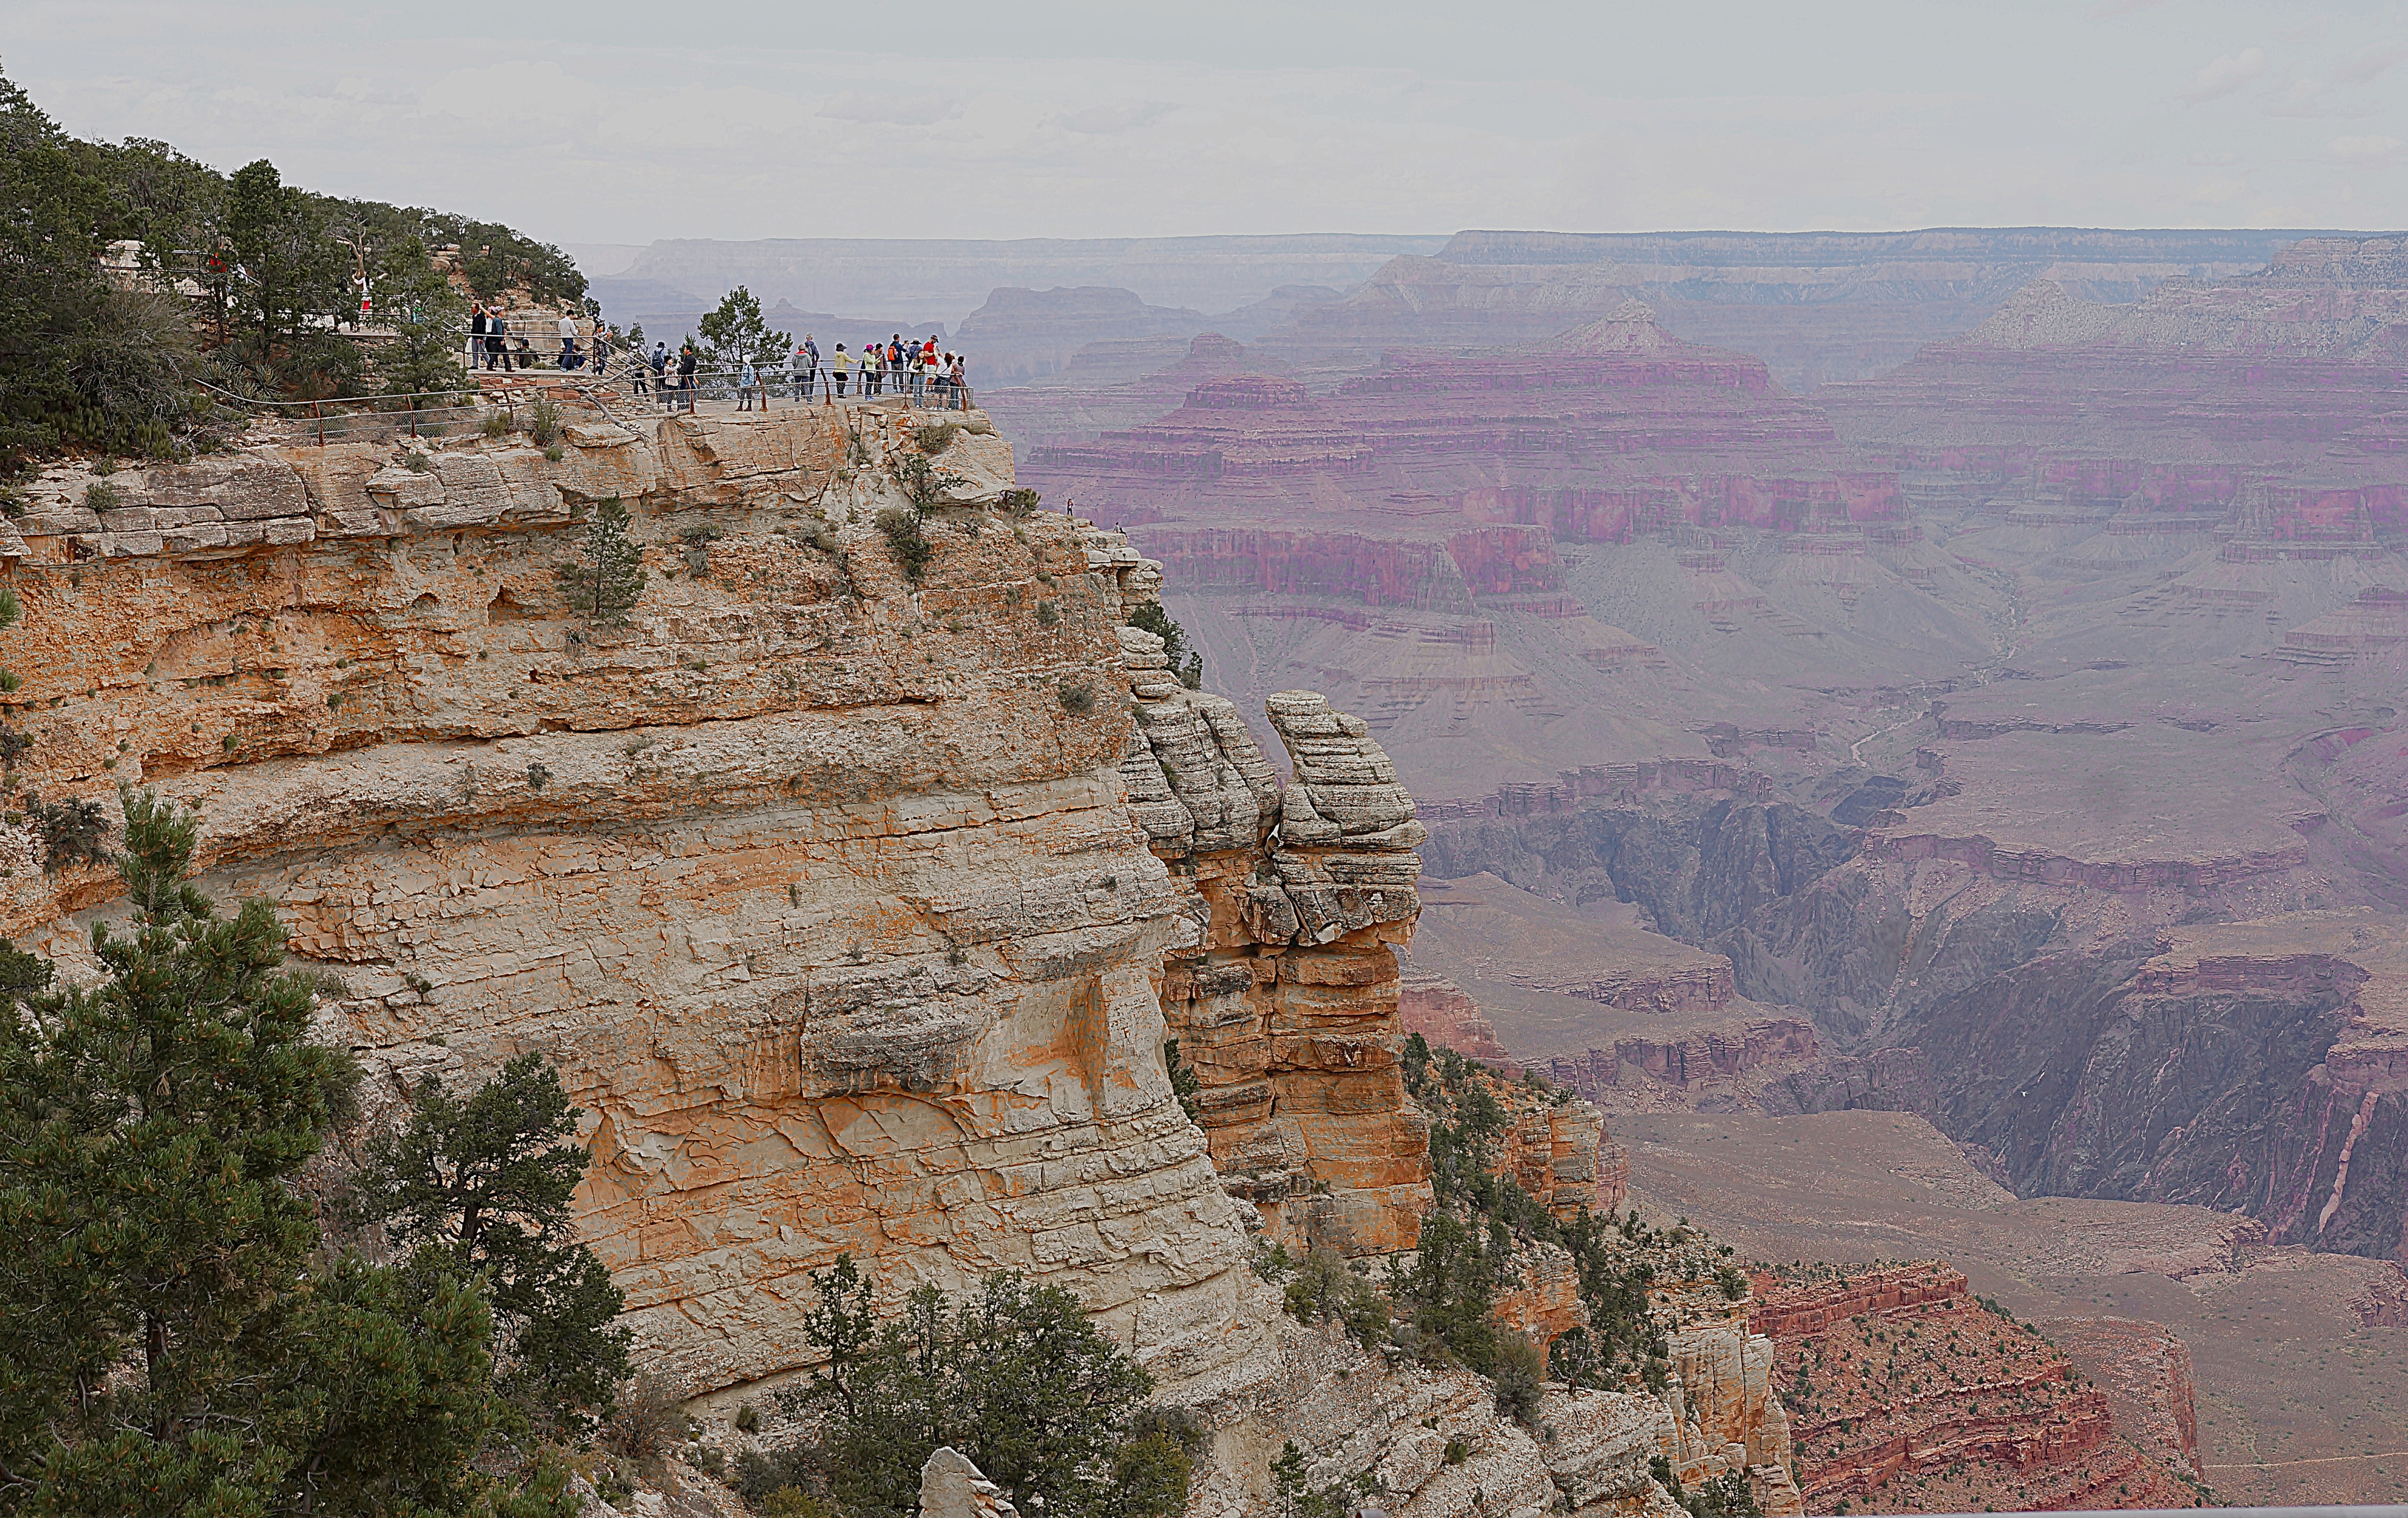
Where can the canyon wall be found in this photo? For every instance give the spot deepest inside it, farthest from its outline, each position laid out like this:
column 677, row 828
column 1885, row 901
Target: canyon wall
column 1909, row 1395
column 820, row 886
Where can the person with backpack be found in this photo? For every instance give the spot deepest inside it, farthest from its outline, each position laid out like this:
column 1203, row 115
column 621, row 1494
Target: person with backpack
column 661, row 374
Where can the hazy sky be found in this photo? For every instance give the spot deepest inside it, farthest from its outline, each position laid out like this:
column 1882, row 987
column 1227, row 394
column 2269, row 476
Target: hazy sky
column 615, row 122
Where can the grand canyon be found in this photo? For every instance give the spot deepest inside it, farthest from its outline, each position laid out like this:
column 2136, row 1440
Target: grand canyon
column 1819, row 815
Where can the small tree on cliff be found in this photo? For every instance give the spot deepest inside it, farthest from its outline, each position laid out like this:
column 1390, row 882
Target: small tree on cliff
column 483, row 1186
column 605, row 579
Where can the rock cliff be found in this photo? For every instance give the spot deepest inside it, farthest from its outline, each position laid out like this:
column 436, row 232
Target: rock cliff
column 1910, row 1396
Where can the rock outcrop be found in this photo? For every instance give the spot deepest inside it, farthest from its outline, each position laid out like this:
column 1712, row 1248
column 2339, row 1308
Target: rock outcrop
column 1908, row 1396
column 1286, row 1004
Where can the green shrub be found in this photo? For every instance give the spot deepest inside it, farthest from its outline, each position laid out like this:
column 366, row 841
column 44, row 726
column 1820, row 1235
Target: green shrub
column 1186, row 663
column 497, row 424
column 543, row 419
column 1077, row 699
column 100, row 495
column 1047, row 614
column 1014, row 1376
column 905, row 540
column 555, row 452
column 1327, row 1290
column 935, row 439
column 1020, row 503
column 416, row 462
column 72, row 832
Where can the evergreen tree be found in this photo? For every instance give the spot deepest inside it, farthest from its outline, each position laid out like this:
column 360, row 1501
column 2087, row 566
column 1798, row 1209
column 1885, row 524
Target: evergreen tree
column 606, row 579
column 734, row 332
column 1014, row 1377
column 483, row 1186
column 163, row 1347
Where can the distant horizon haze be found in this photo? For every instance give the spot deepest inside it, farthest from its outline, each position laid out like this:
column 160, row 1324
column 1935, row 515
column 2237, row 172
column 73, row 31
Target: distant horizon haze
column 613, row 125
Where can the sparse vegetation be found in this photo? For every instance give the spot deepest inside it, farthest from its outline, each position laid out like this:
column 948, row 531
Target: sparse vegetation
column 543, row 419
column 73, row 832
column 1078, row 698
column 1186, row 664
column 906, row 541
column 1021, row 502
column 935, row 437
column 1048, row 614
column 100, row 495
column 416, row 462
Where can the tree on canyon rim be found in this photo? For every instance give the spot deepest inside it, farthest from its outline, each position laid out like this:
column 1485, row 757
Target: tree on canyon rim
column 734, row 332
column 165, row 1345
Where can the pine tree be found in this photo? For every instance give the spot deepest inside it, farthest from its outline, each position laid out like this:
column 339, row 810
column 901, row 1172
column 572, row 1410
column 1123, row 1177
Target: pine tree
column 607, row 578
column 1014, row 1376
column 734, row 332
column 483, row 1186
column 163, row 1349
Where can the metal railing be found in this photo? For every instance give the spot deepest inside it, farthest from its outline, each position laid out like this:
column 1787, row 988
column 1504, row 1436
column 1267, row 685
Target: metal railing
column 621, row 394
column 636, row 383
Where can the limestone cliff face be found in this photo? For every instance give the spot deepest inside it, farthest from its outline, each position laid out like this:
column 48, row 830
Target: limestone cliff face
column 1286, row 1002
column 821, row 886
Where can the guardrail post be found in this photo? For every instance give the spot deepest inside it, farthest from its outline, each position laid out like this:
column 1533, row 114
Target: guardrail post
column 321, row 418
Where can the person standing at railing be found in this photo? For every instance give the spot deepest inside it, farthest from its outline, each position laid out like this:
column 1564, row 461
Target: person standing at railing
column 811, row 363
column 960, row 376
column 638, row 372
column 601, row 352
column 661, row 371
column 477, row 322
column 567, row 340
column 838, row 367
column 745, row 379
column 798, row 382
column 687, row 358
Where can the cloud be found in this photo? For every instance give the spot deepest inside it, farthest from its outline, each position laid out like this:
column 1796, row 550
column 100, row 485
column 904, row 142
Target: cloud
column 2363, row 152
column 1116, row 117
column 2371, row 63
column 2126, row 8
column 900, row 107
column 2213, row 160
column 2225, row 75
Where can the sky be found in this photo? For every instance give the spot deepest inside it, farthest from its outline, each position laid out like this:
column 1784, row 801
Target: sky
column 610, row 123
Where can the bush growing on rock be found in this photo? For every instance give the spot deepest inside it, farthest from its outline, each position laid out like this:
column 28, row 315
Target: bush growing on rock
column 906, row 541
column 1185, row 662
column 481, row 1187
column 1013, row 1376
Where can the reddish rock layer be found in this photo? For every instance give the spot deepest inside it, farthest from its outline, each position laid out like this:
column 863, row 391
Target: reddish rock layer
column 1907, row 1395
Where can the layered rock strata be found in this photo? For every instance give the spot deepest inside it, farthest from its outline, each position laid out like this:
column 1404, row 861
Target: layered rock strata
column 1909, row 1395
column 1286, row 1003
column 820, row 885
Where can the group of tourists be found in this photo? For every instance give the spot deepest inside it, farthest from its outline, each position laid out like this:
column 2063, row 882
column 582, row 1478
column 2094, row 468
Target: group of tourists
column 898, row 365
column 491, row 340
